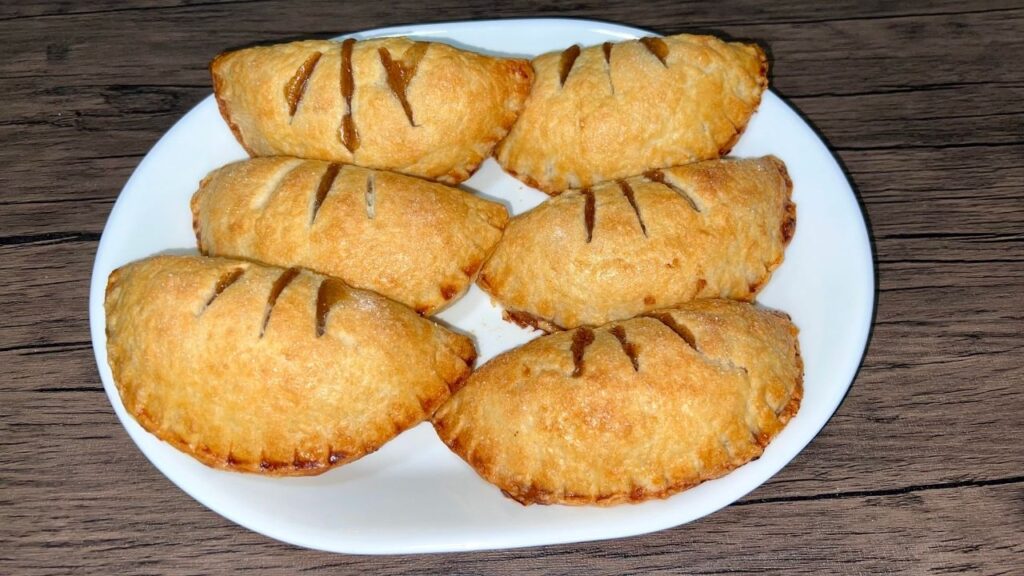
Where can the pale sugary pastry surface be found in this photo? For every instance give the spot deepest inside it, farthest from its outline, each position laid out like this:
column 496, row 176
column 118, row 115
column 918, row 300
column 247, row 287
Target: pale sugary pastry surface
column 615, row 110
column 261, row 369
column 632, row 410
column 426, row 109
column 714, row 229
column 418, row 242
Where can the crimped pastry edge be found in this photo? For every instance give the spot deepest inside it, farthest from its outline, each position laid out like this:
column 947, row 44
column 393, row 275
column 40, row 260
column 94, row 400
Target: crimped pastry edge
column 532, row 494
column 222, row 104
column 762, row 86
column 471, row 269
column 297, row 467
column 787, row 229
column 457, row 174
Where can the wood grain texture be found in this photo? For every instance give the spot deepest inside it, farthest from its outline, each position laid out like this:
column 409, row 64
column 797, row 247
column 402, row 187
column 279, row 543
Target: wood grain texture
column 920, row 471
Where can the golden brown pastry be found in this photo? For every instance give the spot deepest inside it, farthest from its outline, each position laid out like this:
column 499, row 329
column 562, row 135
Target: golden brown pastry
column 712, row 229
column 420, row 108
column 260, row 369
column 616, row 110
column 632, row 410
column 417, row 242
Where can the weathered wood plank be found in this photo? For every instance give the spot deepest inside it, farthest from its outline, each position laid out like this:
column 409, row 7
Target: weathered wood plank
column 176, row 45
column 946, row 116
column 883, row 437
column 56, row 191
column 929, row 531
column 972, row 114
column 45, row 123
column 697, row 12
column 918, row 472
column 56, row 268
column 884, row 434
column 46, row 297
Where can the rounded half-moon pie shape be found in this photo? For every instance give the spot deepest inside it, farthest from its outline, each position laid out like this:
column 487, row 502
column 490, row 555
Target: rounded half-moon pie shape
column 714, row 229
column 632, row 410
column 420, row 108
column 418, row 242
column 616, row 110
column 259, row 369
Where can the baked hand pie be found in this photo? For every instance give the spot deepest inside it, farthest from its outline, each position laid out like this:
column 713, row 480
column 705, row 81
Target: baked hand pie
column 421, row 108
column 632, row 410
column 615, row 110
column 282, row 372
column 714, row 229
column 417, row 242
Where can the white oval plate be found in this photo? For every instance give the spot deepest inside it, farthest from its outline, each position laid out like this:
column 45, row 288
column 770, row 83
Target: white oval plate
column 414, row 495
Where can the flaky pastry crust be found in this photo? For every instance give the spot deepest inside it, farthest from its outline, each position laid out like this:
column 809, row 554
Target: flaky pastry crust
column 426, row 109
column 714, row 229
column 632, row 410
column 259, row 369
column 616, row 110
column 418, row 242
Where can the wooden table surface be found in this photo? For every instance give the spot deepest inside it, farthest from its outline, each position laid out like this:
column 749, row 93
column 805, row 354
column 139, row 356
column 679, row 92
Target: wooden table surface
column 920, row 471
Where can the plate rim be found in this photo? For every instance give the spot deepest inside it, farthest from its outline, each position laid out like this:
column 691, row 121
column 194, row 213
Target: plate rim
column 97, row 321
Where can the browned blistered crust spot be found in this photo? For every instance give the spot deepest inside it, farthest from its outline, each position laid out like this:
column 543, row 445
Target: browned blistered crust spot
column 272, row 466
column 532, row 182
column 760, row 439
column 527, row 320
column 627, row 191
column 457, row 384
column 296, row 87
column 349, row 134
column 701, row 284
column 581, row 338
column 670, row 322
column 401, row 72
column 569, row 56
column 727, row 147
column 796, row 396
column 227, row 279
column 789, row 222
column 280, row 284
column 658, row 47
column 659, row 177
column 789, row 219
column 448, row 291
column 588, row 213
column 427, row 405
column 326, row 182
column 627, row 347
column 331, row 291
column 300, row 463
column 470, row 269
column 649, row 300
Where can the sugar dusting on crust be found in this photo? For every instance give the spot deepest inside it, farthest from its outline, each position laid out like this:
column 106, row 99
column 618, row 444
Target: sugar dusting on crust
column 735, row 451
